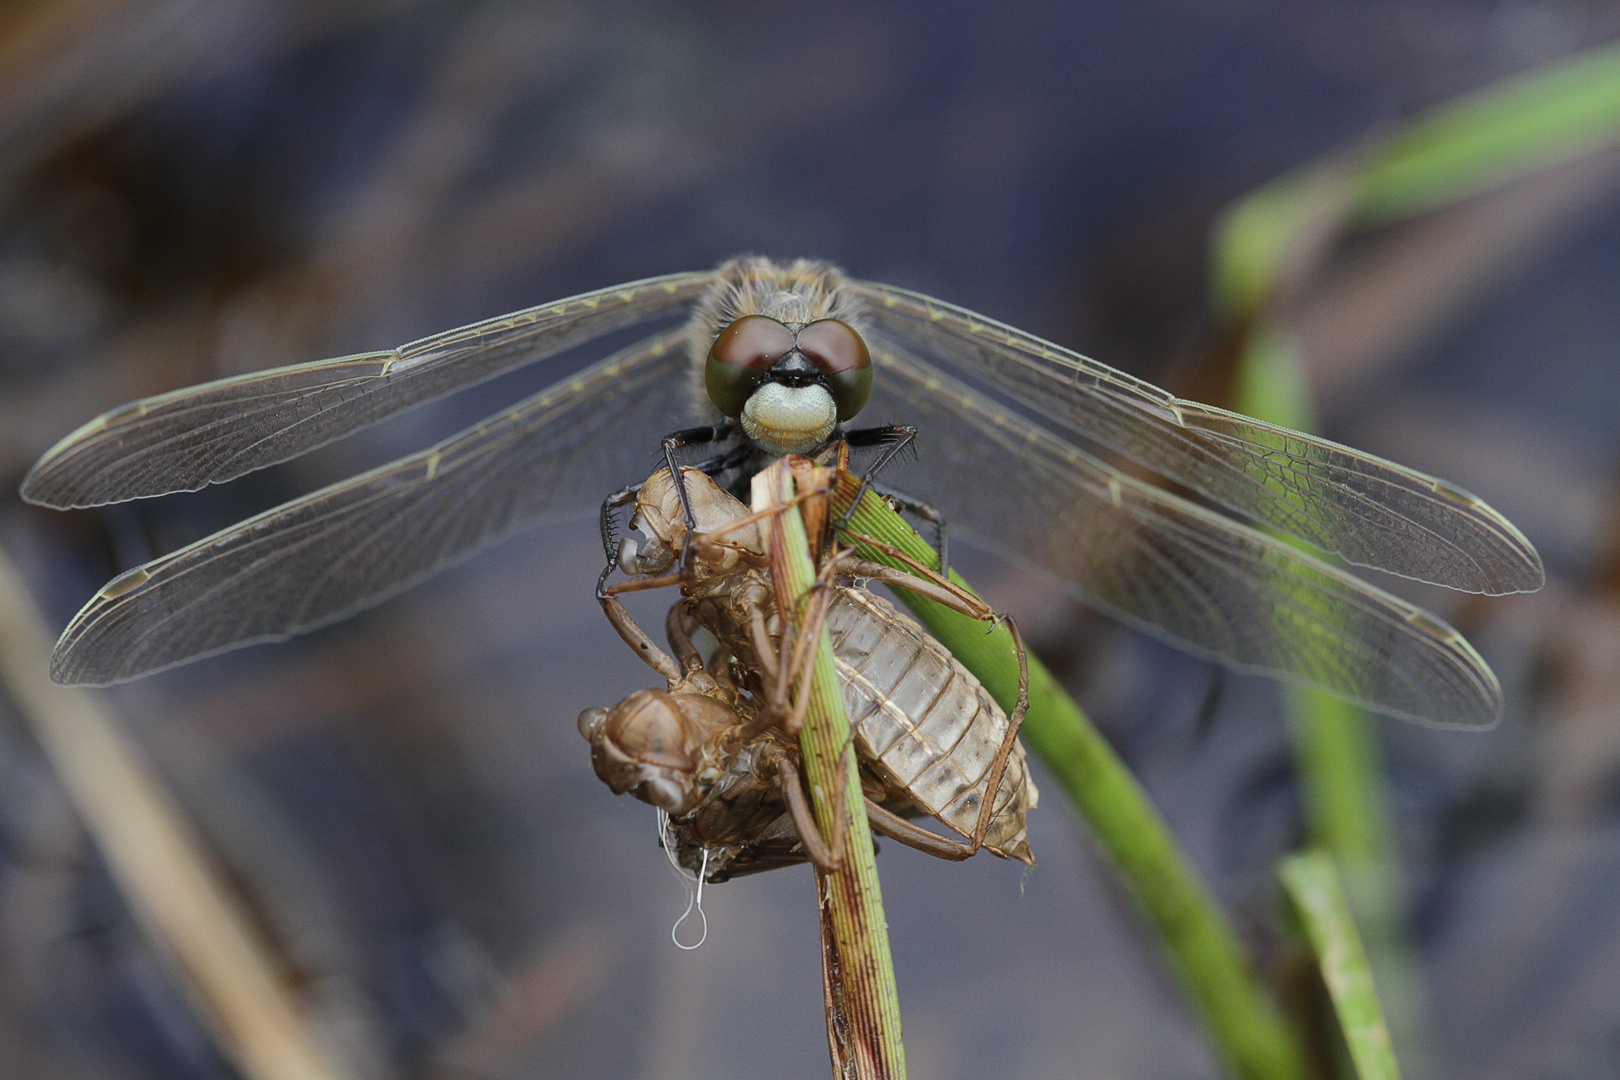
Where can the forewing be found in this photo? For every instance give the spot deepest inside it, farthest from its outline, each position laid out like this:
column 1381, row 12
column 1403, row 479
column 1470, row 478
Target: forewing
column 217, row 431
column 1169, row 566
column 347, row 546
column 1371, row 511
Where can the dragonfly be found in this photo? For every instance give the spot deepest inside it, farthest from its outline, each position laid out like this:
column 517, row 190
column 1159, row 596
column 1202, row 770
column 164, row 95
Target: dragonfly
column 818, row 348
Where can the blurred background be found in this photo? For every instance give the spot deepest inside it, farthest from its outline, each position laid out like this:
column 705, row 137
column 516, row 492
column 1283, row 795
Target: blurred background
column 400, row 804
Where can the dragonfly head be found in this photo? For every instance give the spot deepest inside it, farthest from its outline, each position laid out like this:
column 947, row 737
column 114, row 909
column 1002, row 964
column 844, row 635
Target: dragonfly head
column 789, row 383
column 658, row 746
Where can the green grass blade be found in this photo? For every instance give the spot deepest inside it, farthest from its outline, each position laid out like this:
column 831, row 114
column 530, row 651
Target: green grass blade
column 1312, row 882
column 1262, row 245
column 1337, row 744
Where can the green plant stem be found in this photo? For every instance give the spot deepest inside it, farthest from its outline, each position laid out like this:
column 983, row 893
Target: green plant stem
column 863, row 1004
column 1346, row 803
column 1247, row 1030
column 1312, row 881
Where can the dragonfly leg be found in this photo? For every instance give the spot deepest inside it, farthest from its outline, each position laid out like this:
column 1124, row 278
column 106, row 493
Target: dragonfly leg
column 623, row 497
column 711, row 466
column 895, row 827
column 927, row 512
column 698, row 436
column 893, row 438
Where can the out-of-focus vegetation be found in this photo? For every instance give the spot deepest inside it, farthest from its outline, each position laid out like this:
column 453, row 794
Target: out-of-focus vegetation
column 1268, row 250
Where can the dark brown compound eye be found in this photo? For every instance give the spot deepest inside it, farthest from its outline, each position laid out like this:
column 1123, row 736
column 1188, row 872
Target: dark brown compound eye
column 833, row 346
column 839, row 353
column 753, row 341
column 739, row 358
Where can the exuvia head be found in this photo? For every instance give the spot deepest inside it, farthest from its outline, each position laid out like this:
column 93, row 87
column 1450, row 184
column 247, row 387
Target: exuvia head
column 661, row 521
column 789, row 383
column 658, row 746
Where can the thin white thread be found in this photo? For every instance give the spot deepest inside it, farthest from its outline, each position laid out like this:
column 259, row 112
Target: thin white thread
column 667, row 842
column 694, row 902
column 694, row 895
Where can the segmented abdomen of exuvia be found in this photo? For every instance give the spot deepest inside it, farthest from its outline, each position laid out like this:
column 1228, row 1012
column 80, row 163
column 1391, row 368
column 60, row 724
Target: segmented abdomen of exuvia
column 925, row 721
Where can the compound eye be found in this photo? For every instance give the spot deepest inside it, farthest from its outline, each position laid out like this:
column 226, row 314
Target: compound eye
column 739, row 358
column 833, row 346
column 753, row 341
column 838, row 352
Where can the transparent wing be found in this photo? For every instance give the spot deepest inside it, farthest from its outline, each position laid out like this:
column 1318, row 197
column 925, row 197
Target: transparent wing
column 1371, row 511
column 347, row 546
column 1169, row 566
column 217, row 431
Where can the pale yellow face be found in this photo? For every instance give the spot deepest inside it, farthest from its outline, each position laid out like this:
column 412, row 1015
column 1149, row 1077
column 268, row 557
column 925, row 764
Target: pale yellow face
column 789, row 419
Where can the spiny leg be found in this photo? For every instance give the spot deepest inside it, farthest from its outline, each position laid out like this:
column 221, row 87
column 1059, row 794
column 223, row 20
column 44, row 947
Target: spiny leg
column 927, row 512
column 697, row 436
column 623, row 497
column 626, row 495
column 893, row 438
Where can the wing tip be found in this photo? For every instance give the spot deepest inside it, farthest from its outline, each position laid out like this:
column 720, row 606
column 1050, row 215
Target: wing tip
column 45, row 485
column 68, row 669
column 1525, row 574
column 35, row 491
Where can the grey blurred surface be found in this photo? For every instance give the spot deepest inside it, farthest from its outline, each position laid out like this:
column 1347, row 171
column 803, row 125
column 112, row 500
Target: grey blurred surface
column 192, row 189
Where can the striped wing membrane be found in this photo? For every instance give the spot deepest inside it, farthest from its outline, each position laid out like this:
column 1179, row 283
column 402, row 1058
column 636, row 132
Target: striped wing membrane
column 215, row 432
column 1370, row 511
column 348, row 546
column 1200, row 580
